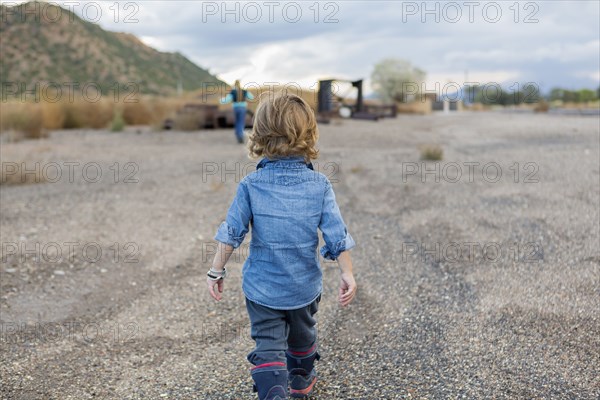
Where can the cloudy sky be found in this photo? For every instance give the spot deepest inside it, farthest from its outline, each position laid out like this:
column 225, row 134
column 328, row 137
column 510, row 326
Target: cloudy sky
column 551, row 43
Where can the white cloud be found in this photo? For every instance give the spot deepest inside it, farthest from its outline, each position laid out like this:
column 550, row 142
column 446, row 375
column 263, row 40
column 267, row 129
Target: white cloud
column 567, row 52
column 592, row 75
column 156, row 42
column 564, row 52
column 562, row 48
column 501, row 77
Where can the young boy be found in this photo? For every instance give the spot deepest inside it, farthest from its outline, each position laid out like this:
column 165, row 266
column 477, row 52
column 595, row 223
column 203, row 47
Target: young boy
column 285, row 201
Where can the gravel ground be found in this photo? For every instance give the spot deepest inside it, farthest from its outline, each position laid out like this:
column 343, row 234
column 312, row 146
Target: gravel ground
column 473, row 287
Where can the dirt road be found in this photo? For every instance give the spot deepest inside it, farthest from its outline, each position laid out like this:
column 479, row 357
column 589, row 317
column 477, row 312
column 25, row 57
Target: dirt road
column 479, row 275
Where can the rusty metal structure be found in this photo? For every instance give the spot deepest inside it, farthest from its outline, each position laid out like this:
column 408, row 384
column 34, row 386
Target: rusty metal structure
column 331, row 104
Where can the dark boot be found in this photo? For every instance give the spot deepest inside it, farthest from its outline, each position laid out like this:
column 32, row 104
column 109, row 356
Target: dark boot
column 301, row 369
column 271, row 381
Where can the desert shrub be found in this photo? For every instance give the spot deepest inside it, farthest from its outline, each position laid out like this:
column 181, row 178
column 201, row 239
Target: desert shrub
column 97, row 115
column 53, row 115
column 104, row 115
column 154, row 110
column 188, row 121
column 72, row 118
column 35, row 119
column 542, row 106
column 160, row 111
column 432, row 152
column 85, row 114
column 422, row 107
column 23, row 118
column 478, row 107
column 118, row 122
column 163, row 108
column 6, row 111
column 34, row 124
column 137, row 113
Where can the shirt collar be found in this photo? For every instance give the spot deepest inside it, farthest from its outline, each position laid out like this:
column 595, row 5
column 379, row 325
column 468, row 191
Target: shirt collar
column 284, row 160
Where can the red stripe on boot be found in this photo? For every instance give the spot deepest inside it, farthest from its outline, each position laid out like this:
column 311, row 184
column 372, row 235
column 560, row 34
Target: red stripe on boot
column 270, row 364
column 303, row 353
column 305, row 391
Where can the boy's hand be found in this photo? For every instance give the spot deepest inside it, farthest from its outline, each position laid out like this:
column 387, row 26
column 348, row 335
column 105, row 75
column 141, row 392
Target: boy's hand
column 215, row 294
column 347, row 289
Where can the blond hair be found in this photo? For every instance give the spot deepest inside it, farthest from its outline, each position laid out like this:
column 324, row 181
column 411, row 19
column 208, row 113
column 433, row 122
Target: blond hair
column 284, row 125
column 239, row 94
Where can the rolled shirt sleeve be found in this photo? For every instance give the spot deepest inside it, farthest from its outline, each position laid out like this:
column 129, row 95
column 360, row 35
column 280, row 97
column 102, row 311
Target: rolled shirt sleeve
column 227, row 99
column 336, row 236
column 235, row 227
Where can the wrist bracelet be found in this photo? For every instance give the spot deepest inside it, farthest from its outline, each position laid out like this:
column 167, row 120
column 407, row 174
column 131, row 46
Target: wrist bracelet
column 216, row 275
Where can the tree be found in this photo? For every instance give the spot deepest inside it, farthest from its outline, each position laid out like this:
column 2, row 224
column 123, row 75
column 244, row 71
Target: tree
column 575, row 96
column 531, row 93
column 556, row 94
column 585, row 95
column 394, row 79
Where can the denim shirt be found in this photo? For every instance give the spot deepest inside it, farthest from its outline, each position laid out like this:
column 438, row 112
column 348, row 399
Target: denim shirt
column 285, row 202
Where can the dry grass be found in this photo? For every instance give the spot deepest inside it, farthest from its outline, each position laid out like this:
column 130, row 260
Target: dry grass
column 34, row 120
column 139, row 113
column 118, row 122
column 188, row 121
column 53, row 115
column 432, row 152
column 77, row 114
column 582, row 105
column 478, row 107
column 22, row 120
column 163, row 108
column 95, row 115
column 422, row 107
column 542, row 106
column 151, row 111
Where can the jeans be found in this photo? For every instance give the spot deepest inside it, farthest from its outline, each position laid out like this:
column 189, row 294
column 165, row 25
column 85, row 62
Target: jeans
column 276, row 331
column 240, row 122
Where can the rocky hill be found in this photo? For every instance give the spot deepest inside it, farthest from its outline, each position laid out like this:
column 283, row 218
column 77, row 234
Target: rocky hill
column 39, row 48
